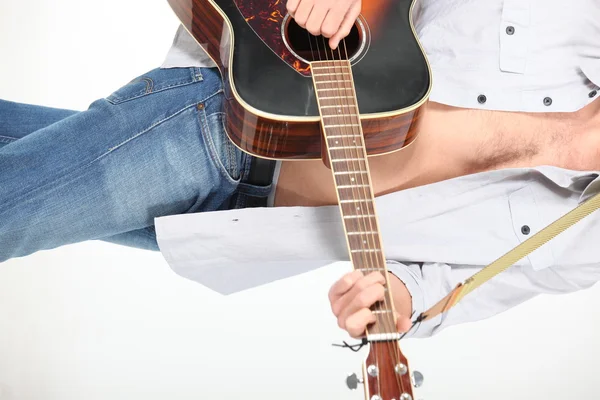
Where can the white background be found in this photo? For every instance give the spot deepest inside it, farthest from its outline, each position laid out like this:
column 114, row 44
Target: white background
column 98, row 321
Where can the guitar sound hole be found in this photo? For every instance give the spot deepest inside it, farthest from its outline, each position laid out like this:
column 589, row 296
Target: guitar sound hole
column 308, row 47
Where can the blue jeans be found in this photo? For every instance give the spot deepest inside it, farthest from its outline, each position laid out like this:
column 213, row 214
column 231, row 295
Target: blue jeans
column 155, row 147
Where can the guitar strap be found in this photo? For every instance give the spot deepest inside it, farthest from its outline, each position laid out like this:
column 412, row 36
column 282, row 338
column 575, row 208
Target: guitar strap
column 514, row 255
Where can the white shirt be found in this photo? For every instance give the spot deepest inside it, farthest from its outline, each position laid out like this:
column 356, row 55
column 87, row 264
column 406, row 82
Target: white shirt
column 456, row 227
column 434, row 237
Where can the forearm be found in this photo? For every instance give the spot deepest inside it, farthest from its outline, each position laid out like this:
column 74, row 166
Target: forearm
column 417, row 287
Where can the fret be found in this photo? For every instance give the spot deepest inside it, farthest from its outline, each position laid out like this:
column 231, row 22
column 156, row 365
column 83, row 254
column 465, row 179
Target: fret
column 335, row 97
column 344, row 176
column 351, row 186
column 333, row 88
column 350, row 173
column 342, row 136
column 339, row 73
column 369, row 269
column 346, row 179
column 343, row 117
column 335, row 81
column 385, row 311
column 340, row 125
column 368, row 234
column 347, row 159
column 353, row 127
column 339, row 115
column 341, row 105
column 331, row 74
column 345, row 147
column 337, row 153
column 372, row 240
column 365, row 251
column 358, row 216
column 336, row 68
column 363, row 204
column 329, row 67
column 362, row 233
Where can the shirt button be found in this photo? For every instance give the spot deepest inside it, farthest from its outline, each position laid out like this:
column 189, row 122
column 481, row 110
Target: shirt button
column 481, row 99
column 547, row 101
column 525, row 230
column 510, row 30
column 592, row 94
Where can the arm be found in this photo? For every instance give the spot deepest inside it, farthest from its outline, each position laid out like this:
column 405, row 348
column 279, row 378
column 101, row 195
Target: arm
column 418, row 286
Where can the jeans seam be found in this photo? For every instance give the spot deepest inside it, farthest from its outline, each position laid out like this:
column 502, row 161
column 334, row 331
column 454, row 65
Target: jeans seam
column 196, row 77
column 8, row 207
column 212, row 150
column 151, row 127
column 7, row 139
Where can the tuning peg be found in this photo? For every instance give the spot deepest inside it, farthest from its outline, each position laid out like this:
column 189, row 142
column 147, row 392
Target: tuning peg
column 417, row 379
column 352, row 381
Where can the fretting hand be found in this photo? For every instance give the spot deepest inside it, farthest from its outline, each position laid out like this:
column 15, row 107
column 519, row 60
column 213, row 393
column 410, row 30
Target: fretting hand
column 331, row 18
column 353, row 295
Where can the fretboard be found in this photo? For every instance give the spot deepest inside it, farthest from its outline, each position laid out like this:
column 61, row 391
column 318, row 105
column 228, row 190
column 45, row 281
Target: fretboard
column 343, row 134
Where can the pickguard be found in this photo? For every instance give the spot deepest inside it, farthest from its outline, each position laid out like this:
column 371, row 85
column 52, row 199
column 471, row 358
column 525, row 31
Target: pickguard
column 265, row 18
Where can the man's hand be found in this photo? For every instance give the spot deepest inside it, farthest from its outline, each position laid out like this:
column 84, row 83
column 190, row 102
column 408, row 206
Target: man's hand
column 331, row 18
column 353, row 295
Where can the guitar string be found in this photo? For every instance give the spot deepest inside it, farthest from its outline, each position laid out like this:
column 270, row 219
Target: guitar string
column 342, row 135
column 344, row 144
column 375, row 249
column 342, row 139
column 385, row 319
column 371, row 254
column 354, row 164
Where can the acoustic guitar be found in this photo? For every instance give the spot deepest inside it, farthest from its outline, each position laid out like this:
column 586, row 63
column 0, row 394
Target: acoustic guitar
column 289, row 96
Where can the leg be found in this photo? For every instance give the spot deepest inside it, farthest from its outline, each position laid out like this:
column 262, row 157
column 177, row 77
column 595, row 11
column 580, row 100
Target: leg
column 18, row 120
column 154, row 147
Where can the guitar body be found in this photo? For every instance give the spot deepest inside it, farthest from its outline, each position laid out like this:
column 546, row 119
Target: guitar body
column 271, row 108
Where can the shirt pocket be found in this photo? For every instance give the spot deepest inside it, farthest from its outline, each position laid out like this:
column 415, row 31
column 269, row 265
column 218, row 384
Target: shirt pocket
column 527, row 221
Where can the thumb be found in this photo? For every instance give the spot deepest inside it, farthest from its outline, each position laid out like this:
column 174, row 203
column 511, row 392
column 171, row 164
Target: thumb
column 403, row 323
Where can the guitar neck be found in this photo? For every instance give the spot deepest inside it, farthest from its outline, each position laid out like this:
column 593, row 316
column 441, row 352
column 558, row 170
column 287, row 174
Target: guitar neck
column 347, row 153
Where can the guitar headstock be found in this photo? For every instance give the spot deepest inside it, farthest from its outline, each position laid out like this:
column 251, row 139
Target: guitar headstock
column 387, row 374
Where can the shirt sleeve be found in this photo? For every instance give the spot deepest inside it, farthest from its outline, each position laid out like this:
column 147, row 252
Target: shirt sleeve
column 428, row 283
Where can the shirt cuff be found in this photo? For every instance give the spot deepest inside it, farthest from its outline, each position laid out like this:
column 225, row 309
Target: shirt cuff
column 409, row 276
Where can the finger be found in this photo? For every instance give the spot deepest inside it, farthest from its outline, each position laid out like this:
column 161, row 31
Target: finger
column 346, row 25
column 332, row 22
column 292, row 6
column 357, row 287
column 356, row 324
column 365, row 299
column 317, row 16
column 303, row 12
column 344, row 284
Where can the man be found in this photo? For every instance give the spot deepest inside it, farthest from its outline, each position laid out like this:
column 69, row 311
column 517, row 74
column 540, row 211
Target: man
column 512, row 93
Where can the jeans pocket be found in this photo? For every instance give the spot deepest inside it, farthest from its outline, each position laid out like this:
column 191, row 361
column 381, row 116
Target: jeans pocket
column 226, row 156
column 154, row 81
